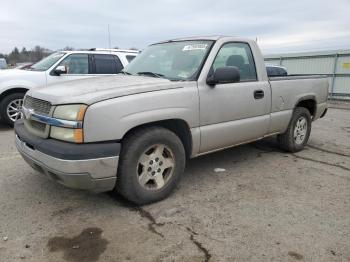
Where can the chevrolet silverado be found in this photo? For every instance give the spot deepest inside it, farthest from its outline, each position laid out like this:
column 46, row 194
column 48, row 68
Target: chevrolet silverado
column 133, row 132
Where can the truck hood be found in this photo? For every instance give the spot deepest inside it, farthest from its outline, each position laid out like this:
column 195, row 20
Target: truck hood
column 17, row 73
column 92, row 90
column 21, row 78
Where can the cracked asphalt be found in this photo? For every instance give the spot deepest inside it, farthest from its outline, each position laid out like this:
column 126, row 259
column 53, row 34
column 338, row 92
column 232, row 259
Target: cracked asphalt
column 267, row 205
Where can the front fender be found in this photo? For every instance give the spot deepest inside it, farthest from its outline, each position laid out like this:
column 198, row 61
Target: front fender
column 112, row 119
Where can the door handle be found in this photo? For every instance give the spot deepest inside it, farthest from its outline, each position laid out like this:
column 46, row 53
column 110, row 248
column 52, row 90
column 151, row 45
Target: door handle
column 258, row 94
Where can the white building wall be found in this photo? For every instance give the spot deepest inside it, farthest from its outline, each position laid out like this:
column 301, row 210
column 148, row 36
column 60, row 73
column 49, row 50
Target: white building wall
column 335, row 64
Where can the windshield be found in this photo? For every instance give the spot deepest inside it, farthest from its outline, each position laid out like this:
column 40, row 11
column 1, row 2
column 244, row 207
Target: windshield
column 172, row 60
column 47, row 62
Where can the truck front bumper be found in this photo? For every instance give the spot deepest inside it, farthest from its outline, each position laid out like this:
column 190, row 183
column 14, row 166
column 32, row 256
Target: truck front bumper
column 91, row 167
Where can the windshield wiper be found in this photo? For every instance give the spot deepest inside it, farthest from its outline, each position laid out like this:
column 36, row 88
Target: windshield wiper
column 151, row 74
column 125, row 73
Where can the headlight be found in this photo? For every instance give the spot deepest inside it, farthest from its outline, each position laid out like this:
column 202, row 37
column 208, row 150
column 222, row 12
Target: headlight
column 71, row 113
column 67, row 134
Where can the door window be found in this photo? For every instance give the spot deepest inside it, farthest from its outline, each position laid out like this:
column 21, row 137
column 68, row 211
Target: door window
column 238, row 55
column 107, row 64
column 76, row 64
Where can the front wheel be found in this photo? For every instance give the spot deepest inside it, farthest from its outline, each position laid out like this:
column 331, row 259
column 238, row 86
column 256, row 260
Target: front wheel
column 151, row 163
column 10, row 108
column 298, row 132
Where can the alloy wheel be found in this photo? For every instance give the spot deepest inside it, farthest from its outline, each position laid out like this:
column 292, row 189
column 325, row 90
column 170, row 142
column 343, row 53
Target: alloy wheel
column 300, row 130
column 14, row 109
column 155, row 167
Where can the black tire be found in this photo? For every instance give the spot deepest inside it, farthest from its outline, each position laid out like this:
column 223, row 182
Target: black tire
column 287, row 141
column 4, row 118
column 133, row 147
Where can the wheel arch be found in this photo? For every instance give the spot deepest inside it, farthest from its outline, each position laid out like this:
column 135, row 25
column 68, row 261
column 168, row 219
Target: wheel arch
column 179, row 126
column 12, row 91
column 309, row 102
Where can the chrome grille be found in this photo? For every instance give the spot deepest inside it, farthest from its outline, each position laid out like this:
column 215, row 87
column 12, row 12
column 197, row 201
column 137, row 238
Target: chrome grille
column 37, row 125
column 39, row 106
column 36, row 128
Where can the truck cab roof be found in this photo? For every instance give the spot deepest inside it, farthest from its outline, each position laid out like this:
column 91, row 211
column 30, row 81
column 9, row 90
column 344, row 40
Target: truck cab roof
column 212, row 38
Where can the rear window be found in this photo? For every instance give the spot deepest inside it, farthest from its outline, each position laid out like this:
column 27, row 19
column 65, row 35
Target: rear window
column 130, row 58
column 276, row 71
column 107, row 64
column 282, row 71
column 271, row 71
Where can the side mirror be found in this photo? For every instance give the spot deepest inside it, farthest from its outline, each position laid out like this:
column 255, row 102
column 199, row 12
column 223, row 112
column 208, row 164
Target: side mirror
column 60, row 70
column 224, row 75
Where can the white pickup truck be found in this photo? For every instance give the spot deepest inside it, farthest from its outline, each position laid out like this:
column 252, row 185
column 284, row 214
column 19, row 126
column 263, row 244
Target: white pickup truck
column 59, row 67
column 179, row 99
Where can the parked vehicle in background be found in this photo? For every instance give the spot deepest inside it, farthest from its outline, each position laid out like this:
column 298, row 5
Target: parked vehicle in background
column 274, row 70
column 178, row 99
column 3, row 63
column 58, row 67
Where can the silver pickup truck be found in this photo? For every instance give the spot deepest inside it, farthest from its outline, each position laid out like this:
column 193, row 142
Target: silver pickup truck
column 132, row 133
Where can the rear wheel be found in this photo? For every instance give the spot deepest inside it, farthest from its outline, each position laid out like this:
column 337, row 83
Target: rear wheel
column 10, row 108
column 297, row 134
column 151, row 164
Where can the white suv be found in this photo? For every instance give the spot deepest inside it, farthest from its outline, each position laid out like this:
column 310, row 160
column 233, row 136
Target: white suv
column 57, row 68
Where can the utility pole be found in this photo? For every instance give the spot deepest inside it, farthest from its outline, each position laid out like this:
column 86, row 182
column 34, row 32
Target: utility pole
column 109, row 38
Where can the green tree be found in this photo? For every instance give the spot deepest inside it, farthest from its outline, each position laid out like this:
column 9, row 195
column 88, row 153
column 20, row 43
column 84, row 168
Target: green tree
column 14, row 56
column 23, row 55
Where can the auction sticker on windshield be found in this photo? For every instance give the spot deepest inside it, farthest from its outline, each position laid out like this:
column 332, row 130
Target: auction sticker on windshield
column 195, row 47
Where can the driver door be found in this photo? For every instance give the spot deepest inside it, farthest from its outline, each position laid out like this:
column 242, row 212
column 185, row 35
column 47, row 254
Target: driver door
column 78, row 66
column 233, row 113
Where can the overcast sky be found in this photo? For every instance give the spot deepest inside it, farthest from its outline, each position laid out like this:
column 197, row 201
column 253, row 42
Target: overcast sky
column 279, row 25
